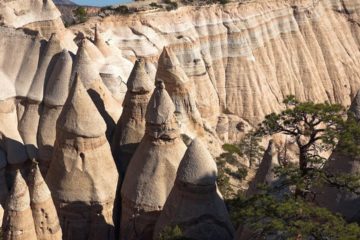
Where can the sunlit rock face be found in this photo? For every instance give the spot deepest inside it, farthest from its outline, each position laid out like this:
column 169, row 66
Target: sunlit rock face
column 242, row 59
column 130, row 128
column 44, row 213
column 249, row 56
column 82, row 176
column 18, row 223
column 195, row 204
column 155, row 163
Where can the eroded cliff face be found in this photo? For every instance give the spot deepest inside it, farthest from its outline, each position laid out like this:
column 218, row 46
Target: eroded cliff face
column 243, row 58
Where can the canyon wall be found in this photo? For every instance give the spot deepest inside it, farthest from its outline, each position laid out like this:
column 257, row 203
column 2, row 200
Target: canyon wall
column 243, row 57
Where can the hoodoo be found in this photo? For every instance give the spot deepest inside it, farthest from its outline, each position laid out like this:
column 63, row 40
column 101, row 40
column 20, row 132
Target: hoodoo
column 195, row 204
column 101, row 44
column 341, row 200
column 46, row 220
column 82, row 176
column 18, row 223
column 155, row 163
column 56, row 92
column 130, row 128
column 29, row 120
column 180, row 89
column 84, row 65
column 265, row 173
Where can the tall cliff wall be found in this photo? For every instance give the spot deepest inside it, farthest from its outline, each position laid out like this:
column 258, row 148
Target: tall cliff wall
column 243, row 58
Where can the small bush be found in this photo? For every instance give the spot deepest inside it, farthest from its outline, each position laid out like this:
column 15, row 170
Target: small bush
column 224, row 1
column 81, row 14
column 122, row 9
column 171, row 5
column 155, row 5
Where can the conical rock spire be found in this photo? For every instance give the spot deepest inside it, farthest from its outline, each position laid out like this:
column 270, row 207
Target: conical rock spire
column 197, row 166
column 160, row 108
column 37, row 88
column 46, row 220
column 57, row 91
column 18, row 221
column 181, row 91
column 100, row 43
column 194, row 204
column 155, row 161
column 139, row 80
column 170, row 71
column 130, row 128
column 80, row 116
column 84, row 65
column 82, row 160
column 57, row 88
column 265, row 173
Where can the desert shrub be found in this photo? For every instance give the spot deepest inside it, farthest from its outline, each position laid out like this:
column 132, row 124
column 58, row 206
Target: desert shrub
column 122, row 9
column 80, row 14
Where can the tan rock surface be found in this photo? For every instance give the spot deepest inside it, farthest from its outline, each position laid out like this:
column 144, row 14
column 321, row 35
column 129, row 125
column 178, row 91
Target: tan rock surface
column 56, row 93
column 248, row 56
column 18, row 223
column 46, row 220
column 181, row 90
column 130, row 128
column 155, row 162
column 82, row 160
column 194, row 203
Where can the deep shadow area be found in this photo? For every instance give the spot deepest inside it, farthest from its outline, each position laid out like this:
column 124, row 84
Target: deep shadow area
column 99, row 103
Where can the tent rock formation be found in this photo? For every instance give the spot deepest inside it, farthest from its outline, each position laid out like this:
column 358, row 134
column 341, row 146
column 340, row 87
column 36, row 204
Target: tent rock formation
column 155, row 163
column 195, row 204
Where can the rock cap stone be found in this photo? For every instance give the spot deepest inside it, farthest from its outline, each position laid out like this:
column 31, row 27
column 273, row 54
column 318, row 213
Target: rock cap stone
column 80, row 115
column 197, row 166
column 139, row 80
column 19, row 199
column 160, row 108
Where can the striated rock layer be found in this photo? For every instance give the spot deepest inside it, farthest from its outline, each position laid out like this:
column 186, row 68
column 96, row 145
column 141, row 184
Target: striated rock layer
column 82, row 176
column 249, row 56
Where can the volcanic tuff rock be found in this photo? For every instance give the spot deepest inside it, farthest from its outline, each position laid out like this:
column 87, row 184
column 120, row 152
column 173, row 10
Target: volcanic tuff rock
column 195, row 204
column 265, row 172
column 130, row 128
column 18, row 222
column 46, row 220
column 56, row 92
column 249, row 56
column 341, row 200
column 155, row 163
column 83, row 194
column 262, row 51
column 181, row 91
